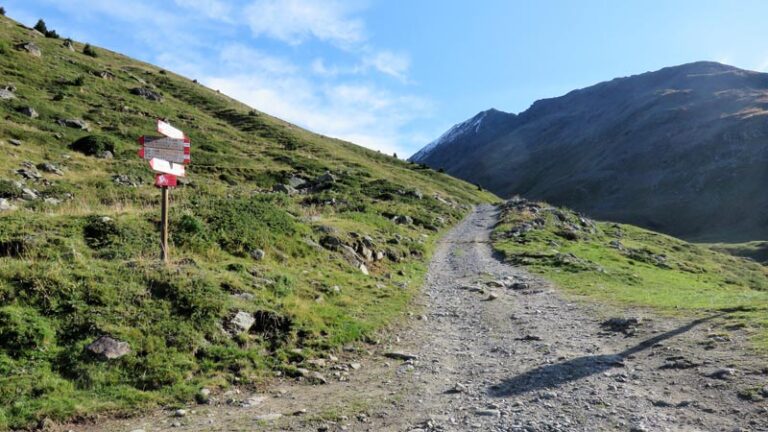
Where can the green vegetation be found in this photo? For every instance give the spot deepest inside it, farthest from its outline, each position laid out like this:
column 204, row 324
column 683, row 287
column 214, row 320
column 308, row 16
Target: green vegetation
column 86, row 265
column 626, row 265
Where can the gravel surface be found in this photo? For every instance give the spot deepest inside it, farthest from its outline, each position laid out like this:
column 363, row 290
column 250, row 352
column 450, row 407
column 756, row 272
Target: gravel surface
column 494, row 348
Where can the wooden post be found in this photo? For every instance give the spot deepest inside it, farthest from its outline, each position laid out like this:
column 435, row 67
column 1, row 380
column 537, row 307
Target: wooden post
column 164, row 225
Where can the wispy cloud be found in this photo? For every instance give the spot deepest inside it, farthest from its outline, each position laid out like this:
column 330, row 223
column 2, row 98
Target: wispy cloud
column 295, row 21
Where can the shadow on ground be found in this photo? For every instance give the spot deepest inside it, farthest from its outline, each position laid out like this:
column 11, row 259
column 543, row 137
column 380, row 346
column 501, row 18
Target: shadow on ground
column 554, row 375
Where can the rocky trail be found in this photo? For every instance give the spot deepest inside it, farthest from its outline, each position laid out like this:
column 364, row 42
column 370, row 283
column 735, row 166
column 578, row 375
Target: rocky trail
column 495, row 348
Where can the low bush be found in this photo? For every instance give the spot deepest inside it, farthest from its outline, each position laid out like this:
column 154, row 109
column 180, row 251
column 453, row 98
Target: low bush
column 93, row 145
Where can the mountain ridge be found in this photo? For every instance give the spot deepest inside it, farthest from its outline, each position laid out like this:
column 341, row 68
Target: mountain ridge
column 622, row 149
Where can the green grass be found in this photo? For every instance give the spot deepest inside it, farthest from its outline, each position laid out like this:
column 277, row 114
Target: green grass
column 68, row 276
column 629, row 266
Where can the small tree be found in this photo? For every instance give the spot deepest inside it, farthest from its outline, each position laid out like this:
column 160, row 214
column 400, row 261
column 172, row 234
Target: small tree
column 41, row 27
column 2, row 11
column 89, row 51
column 394, row 155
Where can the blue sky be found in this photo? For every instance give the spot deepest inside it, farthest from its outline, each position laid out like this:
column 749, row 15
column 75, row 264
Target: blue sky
column 393, row 74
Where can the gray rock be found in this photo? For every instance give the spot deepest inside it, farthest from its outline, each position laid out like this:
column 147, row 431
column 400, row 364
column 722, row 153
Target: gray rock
column 720, row 373
column 326, row 179
column 363, row 269
column 29, row 112
column 242, row 321
column 50, row 168
column 180, row 413
column 124, row 180
column 398, row 355
column 52, row 201
column 284, row 188
column 403, row 220
column 68, row 45
column 147, row 94
column 106, row 155
column 74, row 123
column 107, row 75
column 30, row 47
column 29, row 174
column 268, row 417
column 6, row 94
column 6, row 205
column 108, row 348
column 258, row 254
column 203, row 396
column 487, row 412
column 312, row 376
column 366, row 253
column 28, row 194
column 296, row 182
column 14, row 142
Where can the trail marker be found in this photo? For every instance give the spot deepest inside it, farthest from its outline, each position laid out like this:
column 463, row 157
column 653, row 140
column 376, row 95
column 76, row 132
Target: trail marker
column 167, row 155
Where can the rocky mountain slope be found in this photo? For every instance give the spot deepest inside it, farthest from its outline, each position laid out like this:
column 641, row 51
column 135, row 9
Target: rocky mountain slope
column 681, row 150
column 286, row 245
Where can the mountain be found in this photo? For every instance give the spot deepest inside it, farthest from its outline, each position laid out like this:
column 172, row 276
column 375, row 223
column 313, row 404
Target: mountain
column 285, row 244
column 682, row 150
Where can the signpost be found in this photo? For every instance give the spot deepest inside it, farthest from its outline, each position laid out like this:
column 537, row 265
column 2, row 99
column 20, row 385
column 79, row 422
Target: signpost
column 167, row 156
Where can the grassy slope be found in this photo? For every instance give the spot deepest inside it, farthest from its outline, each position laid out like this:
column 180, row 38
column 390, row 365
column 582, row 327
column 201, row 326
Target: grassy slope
column 626, row 265
column 67, row 278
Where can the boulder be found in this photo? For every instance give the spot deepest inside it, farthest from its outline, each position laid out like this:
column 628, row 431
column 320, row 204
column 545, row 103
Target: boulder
column 242, row 322
column 74, row 123
column 146, row 94
column 50, row 168
column 108, row 348
column 29, row 112
column 258, row 254
column 296, row 182
column 106, row 154
column 68, row 45
column 28, row 194
column 31, row 48
column 403, row 220
column 7, row 94
column 6, row 205
column 331, row 242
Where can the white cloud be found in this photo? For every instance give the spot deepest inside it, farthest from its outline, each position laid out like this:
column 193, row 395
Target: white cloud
column 295, row 21
column 360, row 113
column 390, row 63
column 239, row 57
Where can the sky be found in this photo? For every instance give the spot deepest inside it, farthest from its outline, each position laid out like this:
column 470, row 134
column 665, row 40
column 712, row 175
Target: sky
column 393, row 75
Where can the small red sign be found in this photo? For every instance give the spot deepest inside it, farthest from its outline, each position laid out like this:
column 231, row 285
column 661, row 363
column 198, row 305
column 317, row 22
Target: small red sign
column 165, row 180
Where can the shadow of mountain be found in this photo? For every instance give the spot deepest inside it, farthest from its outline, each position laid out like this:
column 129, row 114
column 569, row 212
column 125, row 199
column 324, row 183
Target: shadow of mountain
column 554, row 375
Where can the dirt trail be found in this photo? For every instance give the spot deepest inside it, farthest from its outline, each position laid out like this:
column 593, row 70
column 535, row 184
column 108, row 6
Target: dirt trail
column 527, row 360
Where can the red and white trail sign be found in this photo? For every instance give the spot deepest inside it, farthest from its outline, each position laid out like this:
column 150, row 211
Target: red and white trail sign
column 168, row 130
column 166, row 167
column 170, row 149
column 165, row 180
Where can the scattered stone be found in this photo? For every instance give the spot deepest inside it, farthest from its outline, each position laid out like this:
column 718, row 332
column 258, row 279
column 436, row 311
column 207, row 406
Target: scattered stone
column 284, row 188
column 124, row 180
column 317, row 362
column 258, row 254
column 628, row 326
column 356, row 366
column 74, row 123
column 495, row 284
column 68, row 45
column 363, row 269
column 6, row 94
column 458, row 388
column 6, row 205
column 519, row 286
column 14, row 142
column 678, row 362
column 108, row 348
column 242, row 322
column 253, row 401
column 325, row 180
column 107, row 75
column 312, row 376
column 721, row 373
column 28, row 194
column 403, row 220
column 29, row 112
column 529, row 338
column 484, row 412
column 52, row 201
column 180, row 413
column 31, row 48
column 203, row 397
column 296, row 182
column 492, row 296
column 146, row 94
column 397, row 355
column 106, row 154
column 50, row 168
column 29, row 174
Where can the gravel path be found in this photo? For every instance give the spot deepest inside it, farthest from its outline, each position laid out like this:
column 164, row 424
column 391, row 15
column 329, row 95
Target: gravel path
column 498, row 349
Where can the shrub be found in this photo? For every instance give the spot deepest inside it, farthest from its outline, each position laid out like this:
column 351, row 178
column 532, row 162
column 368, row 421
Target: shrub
column 93, row 145
column 2, row 11
column 89, row 51
column 101, row 232
column 41, row 27
column 23, row 329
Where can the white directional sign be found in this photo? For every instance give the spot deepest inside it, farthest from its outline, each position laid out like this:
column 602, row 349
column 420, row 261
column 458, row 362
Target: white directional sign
column 148, row 153
column 166, row 167
column 168, row 130
column 170, row 149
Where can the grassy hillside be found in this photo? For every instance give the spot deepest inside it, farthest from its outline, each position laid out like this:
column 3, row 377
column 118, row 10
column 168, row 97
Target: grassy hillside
column 626, row 265
column 79, row 253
